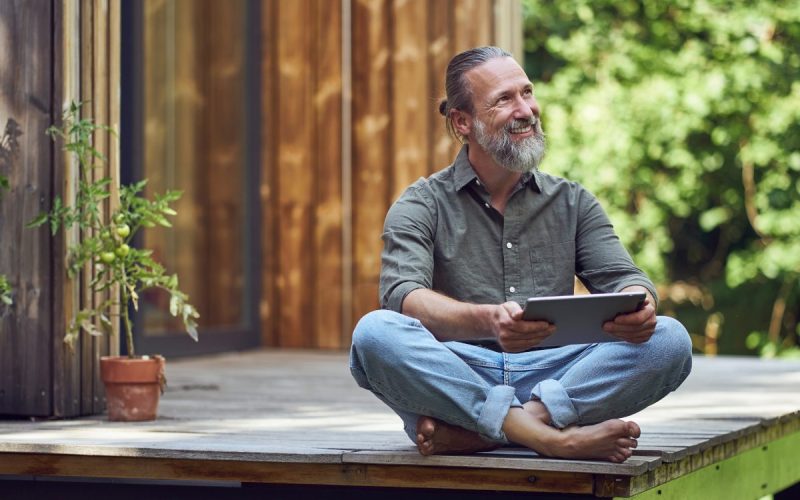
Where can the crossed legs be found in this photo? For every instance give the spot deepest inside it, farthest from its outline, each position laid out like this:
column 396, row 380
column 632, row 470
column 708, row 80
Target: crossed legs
column 469, row 400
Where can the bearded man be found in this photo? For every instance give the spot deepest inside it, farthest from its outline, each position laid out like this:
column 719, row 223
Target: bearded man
column 449, row 352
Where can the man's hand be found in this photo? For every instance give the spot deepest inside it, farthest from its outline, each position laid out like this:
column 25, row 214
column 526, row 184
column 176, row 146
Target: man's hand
column 636, row 327
column 515, row 334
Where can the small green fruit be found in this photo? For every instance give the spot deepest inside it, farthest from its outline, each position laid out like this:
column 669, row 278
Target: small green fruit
column 122, row 250
column 107, row 257
column 123, row 230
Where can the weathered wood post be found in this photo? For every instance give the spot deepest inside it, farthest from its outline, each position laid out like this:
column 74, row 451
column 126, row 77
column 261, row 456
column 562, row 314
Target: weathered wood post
column 53, row 52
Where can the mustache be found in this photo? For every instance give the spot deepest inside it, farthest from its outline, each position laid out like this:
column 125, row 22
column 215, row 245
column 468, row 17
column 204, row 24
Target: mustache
column 533, row 121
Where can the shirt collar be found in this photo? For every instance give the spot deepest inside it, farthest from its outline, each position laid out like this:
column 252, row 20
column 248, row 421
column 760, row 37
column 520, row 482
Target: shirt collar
column 464, row 173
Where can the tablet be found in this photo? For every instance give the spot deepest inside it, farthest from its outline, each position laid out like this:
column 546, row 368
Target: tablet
column 579, row 318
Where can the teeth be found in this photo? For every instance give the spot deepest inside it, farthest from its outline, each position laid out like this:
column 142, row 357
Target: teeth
column 519, row 128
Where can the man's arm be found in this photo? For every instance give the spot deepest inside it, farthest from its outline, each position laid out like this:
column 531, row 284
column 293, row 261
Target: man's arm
column 449, row 319
column 604, row 265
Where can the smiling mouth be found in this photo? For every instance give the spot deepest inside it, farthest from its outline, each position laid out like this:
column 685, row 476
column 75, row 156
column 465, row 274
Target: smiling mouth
column 521, row 126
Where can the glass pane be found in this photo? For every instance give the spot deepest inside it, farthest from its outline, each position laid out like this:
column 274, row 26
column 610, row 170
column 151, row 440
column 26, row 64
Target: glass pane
column 193, row 88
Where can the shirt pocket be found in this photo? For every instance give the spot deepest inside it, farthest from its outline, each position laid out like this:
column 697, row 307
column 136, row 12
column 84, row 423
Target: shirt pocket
column 554, row 268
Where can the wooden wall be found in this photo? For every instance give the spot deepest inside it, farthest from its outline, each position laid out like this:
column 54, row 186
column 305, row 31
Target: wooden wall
column 53, row 52
column 350, row 94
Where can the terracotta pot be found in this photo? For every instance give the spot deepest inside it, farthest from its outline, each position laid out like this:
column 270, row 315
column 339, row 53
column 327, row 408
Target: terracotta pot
column 133, row 387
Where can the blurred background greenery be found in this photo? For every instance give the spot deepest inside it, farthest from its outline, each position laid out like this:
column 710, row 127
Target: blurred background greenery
column 683, row 117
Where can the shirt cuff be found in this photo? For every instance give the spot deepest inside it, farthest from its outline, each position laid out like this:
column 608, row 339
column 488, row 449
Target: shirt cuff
column 398, row 295
column 634, row 282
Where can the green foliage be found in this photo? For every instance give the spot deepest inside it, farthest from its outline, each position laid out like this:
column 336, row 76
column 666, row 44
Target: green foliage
column 684, row 118
column 5, row 291
column 108, row 243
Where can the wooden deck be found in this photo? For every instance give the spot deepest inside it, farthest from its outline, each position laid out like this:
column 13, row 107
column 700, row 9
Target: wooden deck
column 297, row 418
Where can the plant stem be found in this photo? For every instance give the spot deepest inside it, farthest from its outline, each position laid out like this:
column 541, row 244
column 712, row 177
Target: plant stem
column 127, row 322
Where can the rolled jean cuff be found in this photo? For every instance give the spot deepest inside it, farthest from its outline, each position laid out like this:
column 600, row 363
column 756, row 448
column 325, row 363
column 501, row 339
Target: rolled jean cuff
column 555, row 398
column 495, row 409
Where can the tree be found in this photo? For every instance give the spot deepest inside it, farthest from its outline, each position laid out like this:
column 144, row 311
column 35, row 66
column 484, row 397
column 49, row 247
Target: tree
column 684, row 118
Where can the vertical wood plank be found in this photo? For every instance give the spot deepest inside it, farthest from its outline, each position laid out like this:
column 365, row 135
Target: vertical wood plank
column 26, row 160
column 99, row 107
column 224, row 158
column 184, row 119
column 410, row 97
column 440, row 50
column 87, row 343
column 372, row 137
column 507, row 27
column 114, row 79
column 67, row 78
column 157, row 134
column 270, row 237
column 347, row 171
column 472, row 24
column 295, row 186
column 327, row 127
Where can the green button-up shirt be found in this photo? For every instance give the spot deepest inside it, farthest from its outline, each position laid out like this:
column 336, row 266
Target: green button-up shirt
column 443, row 234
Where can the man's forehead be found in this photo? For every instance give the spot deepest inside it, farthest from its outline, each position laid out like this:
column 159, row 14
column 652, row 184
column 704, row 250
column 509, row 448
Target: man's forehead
column 496, row 73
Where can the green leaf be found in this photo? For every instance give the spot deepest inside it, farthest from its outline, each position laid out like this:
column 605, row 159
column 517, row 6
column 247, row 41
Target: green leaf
column 38, row 220
column 174, row 305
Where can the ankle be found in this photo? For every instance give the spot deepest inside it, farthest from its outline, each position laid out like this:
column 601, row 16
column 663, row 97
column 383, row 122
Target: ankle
column 538, row 410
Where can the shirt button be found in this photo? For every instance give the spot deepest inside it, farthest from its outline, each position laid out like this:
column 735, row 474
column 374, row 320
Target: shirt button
column 512, row 289
column 509, row 245
column 478, row 182
column 486, row 205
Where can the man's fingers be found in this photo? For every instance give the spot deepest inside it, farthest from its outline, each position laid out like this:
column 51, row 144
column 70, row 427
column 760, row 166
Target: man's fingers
column 516, row 341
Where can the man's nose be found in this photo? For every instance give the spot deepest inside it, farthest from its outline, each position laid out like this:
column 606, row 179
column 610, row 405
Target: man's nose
column 525, row 108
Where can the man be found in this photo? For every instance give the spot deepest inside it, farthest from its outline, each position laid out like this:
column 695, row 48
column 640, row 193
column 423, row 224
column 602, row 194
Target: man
column 450, row 353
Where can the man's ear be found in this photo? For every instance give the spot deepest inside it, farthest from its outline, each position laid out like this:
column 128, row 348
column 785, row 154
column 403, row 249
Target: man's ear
column 462, row 122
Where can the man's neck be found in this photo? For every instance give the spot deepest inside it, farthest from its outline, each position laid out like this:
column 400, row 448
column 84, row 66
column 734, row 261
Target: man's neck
column 498, row 181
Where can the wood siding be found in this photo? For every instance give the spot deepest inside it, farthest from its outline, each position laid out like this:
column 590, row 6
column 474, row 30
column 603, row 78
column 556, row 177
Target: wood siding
column 54, row 53
column 350, row 92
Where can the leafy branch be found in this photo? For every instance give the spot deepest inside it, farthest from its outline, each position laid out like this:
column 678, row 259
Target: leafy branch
column 108, row 243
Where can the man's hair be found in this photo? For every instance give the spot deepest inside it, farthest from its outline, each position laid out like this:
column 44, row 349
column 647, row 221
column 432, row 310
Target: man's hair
column 456, row 85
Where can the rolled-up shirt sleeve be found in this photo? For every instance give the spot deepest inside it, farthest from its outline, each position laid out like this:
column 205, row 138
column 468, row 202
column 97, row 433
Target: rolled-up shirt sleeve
column 601, row 261
column 408, row 235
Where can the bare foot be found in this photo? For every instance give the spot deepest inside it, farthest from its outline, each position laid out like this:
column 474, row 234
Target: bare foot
column 612, row 440
column 435, row 437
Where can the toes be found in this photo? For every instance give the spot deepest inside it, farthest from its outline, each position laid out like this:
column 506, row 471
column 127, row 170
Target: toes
column 616, row 458
column 633, row 429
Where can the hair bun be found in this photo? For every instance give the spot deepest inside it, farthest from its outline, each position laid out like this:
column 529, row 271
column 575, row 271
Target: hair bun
column 443, row 107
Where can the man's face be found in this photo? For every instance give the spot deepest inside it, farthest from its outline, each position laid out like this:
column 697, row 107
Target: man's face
column 506, row 121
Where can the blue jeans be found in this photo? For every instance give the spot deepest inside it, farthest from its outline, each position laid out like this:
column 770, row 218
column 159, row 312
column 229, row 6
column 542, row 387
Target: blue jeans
column 401, row 362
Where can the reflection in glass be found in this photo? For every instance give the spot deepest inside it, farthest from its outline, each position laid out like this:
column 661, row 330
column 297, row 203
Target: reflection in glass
column 193, row 118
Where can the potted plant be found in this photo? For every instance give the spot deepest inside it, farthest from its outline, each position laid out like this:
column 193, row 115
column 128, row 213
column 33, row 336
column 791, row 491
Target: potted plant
column 121, row 269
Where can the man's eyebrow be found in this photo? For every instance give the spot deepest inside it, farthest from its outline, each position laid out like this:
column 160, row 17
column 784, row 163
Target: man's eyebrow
column 505, row 90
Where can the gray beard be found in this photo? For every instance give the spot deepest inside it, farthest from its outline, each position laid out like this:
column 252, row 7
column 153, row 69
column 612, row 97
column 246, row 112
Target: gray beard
column 522, row 156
